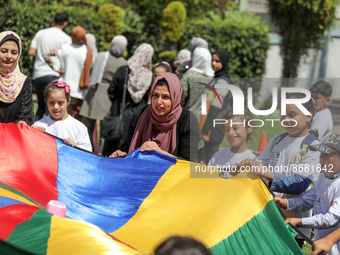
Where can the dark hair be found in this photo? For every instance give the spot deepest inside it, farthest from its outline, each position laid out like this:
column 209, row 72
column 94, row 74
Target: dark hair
column 10, row 38
column 309, row 105
column 53, row 86
column 162, row 82
column 164, row 65
column 322, row 87
column 178, row 245
column 60, row 18
column 228, row 114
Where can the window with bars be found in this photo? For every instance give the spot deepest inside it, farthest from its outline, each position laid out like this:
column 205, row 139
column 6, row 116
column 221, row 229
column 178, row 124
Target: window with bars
column 257, row 5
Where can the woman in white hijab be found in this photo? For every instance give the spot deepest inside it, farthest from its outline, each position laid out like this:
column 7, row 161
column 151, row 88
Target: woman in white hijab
column 201, row 71
column 201, row 68
column 91, row 43
column 186, row 65
column 97, row 103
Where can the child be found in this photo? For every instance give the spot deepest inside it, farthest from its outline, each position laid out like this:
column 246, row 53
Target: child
column 161, row 68
column 237, row 134
column 321, row 93
column 325, row 244
column 59, row 122
column 324, row 196
column 286, row 161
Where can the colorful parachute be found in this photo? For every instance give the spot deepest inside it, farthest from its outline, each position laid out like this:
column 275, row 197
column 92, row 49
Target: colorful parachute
column 140, row 200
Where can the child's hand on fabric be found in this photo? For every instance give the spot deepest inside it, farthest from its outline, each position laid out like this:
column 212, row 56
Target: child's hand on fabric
column 249, row 163
column 296, row 222
column 69, row 141
column 281, row 201
column 323, row 245
column 42, row 129
column 235, row 170
column 118, row 154
column 22, row 122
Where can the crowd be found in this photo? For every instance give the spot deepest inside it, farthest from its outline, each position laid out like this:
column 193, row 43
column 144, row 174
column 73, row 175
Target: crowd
column 78, row 88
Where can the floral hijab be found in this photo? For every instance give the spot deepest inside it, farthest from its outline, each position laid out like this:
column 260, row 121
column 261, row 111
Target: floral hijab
column 11, row 80
column 140, row 72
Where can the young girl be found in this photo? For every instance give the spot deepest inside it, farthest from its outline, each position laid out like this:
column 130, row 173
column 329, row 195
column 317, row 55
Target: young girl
column 59, row 122
column 287, row 161
column 237, row 134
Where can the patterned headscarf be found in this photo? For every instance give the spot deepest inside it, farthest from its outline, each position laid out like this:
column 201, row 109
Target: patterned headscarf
column 11, row 80
column 140, row 72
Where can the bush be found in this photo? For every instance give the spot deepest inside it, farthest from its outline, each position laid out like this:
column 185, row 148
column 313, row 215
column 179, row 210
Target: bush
column 167, row 55
column 27, row 20
column 173, row 21
column 134, row 31
column 311, row 20
column 242, row 34
column 113, row 19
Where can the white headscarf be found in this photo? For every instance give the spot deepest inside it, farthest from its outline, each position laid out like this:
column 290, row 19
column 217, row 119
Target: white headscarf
column 118, row 46
column 183, row 55
column 197, row 42
column 91, row 43
column 201, row 61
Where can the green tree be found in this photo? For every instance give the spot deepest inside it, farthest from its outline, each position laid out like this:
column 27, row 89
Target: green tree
column 149, row 13
column 242, row 34
column 302, row 25
column 113, row 18
column 26, row 20
column 173, row 21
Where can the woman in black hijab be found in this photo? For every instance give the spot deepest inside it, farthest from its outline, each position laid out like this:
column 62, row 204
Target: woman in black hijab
column 213, row 136
column 220, row 61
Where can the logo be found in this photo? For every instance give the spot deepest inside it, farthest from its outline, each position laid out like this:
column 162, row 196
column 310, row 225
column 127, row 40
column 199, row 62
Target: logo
column 238, row 99
column 208, row 92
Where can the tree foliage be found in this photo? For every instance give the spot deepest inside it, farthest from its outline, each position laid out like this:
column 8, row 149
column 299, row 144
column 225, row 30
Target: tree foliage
column 173, row 21
column 242, row 34
column 113, row 19
column 167, row 55
column 302, row 25
column 26, row 20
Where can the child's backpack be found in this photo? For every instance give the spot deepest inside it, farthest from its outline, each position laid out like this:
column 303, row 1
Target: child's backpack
column 304, row 147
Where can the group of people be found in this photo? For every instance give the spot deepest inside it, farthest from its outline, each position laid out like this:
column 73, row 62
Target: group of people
column 164, row 115
column 292, row 163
